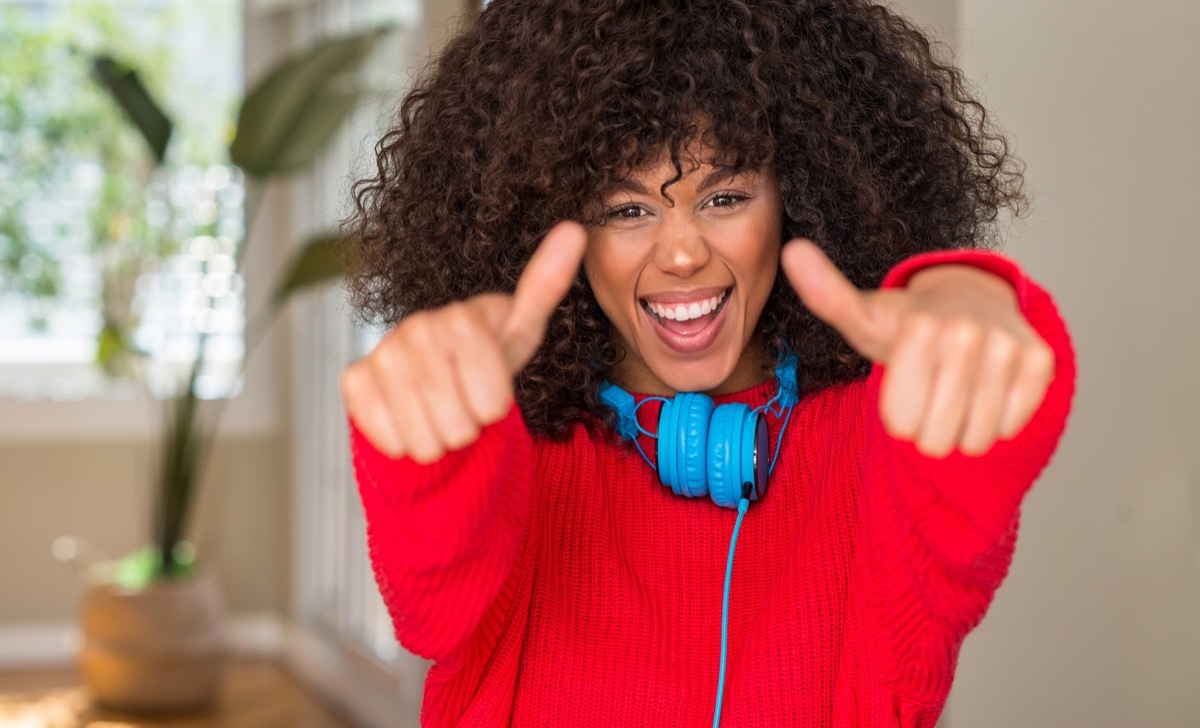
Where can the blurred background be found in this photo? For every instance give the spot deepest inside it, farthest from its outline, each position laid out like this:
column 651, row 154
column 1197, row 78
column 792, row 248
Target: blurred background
column 1097, row 625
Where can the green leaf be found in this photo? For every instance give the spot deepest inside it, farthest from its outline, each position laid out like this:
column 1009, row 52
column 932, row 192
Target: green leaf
column 136, row 570
column 320, row 260
column 114, row 348
column 123, row 84
column 292, row 114
column 319, row 125
column 110, row 344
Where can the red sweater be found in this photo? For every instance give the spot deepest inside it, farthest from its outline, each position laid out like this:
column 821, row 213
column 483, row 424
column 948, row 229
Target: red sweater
column 558, row 583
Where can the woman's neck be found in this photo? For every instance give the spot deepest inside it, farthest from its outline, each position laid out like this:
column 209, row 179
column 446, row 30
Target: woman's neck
column 753, row 368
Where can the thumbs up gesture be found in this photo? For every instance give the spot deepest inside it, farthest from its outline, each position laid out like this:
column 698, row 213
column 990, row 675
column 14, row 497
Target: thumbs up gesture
column 439, row 376
column 963, row 368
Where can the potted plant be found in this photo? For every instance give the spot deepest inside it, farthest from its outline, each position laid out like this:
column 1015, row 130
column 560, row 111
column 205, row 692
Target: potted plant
column 152, row 625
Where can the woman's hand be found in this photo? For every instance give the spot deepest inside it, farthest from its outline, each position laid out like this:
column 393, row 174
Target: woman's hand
column 963, row 366
column 436, row 379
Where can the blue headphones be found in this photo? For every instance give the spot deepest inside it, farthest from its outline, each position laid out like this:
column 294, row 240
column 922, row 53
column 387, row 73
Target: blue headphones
column 704, row 449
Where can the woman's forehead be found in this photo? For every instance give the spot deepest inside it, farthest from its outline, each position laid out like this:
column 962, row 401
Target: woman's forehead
column 708, row 164
column 703, row 174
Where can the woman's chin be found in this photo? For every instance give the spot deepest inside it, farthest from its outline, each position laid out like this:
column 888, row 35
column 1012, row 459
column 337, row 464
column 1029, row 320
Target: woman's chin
column 700, row 376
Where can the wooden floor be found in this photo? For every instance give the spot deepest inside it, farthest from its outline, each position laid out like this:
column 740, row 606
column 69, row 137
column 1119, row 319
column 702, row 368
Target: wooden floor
column 254, row 695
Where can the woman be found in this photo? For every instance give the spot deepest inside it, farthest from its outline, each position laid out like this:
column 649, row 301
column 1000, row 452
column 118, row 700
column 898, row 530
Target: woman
column 578, row 221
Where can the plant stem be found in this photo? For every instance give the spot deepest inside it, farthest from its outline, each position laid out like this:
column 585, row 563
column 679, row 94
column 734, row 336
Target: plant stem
column 190, row 441
column 183, row 464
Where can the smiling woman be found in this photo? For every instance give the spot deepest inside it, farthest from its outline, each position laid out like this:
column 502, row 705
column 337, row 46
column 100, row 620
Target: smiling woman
column 741, row 240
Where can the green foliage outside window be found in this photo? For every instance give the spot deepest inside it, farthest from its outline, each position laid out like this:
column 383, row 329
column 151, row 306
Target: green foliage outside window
column 64, row 141
column 85, row 99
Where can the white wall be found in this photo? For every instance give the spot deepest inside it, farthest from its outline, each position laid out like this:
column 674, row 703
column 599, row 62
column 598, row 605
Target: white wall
column 1098, row 624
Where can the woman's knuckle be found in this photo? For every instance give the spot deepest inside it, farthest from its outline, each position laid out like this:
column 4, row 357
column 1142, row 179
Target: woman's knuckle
column 462, row 435
column 921, row 326
column 426, row 454
column 1001, row 349
column 976, row 444
column 389, row 357
column 954, row 336
column 497, row 406
column 1043, row 357
column 963, row 332
column 351, row 381
column 461, row 323
column 418, row 331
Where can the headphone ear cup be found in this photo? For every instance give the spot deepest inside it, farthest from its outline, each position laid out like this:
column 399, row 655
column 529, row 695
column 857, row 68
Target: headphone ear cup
column 699, row 414
column 724, row 466
column 736, row 439
column 683, row 443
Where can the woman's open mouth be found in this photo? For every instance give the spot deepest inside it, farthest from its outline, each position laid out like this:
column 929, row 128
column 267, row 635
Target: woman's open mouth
column 690, row 327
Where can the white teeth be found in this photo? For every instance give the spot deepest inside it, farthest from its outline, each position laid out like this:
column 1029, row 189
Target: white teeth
column 687, row 312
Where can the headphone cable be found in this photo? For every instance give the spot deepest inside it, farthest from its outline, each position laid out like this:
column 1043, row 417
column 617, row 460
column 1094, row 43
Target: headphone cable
column 742, row 506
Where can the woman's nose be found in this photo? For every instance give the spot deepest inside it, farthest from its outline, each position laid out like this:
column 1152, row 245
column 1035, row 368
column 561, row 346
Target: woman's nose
column 681, row 250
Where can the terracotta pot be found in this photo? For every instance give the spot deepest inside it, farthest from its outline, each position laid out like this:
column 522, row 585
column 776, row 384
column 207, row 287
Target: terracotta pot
column 158, row 649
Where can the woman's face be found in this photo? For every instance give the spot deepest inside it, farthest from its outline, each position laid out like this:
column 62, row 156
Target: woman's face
column 684, row 280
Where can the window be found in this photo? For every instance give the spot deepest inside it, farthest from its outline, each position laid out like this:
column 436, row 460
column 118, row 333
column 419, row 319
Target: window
column 103, row 253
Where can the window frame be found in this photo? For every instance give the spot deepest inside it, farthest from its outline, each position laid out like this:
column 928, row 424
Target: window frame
column 343, row 643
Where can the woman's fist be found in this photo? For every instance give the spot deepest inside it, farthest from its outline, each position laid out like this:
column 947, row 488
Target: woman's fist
column 436, row 379
column 963, row 366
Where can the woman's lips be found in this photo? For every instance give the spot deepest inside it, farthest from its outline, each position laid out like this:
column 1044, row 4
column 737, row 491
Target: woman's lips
column 689, row 337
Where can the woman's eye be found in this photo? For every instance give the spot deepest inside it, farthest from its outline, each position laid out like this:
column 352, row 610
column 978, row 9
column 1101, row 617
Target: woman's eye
column 627, row 212
column 725, row 199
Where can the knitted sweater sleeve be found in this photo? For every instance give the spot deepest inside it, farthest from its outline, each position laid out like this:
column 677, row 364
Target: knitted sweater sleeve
column 444, row 537
column 942, row 530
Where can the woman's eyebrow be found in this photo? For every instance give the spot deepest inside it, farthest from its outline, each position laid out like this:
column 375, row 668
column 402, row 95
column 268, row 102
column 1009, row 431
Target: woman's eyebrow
column 722, row 174
column 628, row 185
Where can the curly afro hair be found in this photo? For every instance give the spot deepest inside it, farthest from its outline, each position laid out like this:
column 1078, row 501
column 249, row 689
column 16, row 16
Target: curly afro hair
column 533, row 112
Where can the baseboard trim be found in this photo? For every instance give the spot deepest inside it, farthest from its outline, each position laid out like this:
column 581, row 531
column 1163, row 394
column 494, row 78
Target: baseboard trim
column 359, row 687
column 372, row 695
column 56, row 643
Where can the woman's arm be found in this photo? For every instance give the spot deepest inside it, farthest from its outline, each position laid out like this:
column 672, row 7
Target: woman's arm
column 942, row 529
column 443, row 538
column 441, row 452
